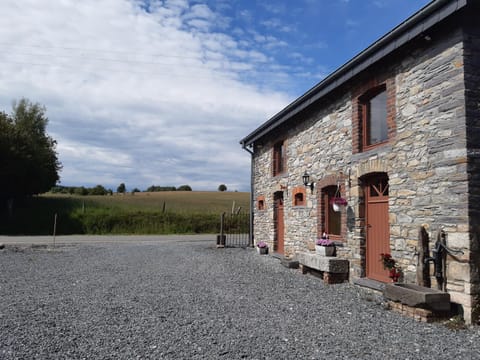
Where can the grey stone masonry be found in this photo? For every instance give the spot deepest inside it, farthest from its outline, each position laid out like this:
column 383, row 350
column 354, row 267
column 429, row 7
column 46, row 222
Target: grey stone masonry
column 323, row 263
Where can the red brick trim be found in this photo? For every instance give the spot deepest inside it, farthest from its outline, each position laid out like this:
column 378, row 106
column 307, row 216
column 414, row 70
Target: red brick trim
column 357, row 110
column 331, row 180
column 299, row 190
column 261, row 205
column 283, row 170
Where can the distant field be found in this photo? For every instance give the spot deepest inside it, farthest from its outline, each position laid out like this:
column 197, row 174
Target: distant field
column 177, row 201
column 175, row 212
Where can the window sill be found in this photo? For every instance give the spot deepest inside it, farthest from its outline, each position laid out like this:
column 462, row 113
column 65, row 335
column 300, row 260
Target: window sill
column 377, row 150
column 279, row 176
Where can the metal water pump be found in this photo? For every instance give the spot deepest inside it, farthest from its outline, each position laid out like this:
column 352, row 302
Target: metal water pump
column 439, row 258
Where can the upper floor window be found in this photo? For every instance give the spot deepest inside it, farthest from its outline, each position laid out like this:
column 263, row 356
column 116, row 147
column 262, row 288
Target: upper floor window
column 279, row 160
column 374, row 113
column 374, row 117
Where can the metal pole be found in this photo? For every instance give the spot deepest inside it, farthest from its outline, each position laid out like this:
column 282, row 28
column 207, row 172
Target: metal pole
column 54, row 228
column 221, row 238
column 252, row 189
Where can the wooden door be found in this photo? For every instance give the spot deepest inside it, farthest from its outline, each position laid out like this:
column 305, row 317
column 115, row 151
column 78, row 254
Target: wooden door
column 378, row 227
column 278, row 223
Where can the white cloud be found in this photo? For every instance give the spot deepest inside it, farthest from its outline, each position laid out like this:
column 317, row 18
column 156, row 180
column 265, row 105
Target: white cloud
column 136, row 95
column 279, row 25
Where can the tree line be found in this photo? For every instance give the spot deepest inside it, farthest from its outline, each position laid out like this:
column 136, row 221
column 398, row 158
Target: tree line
column 121, row 189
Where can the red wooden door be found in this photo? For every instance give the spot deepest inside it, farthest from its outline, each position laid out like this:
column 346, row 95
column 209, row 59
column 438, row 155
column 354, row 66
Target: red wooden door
column 378, row 228
column 279, row 223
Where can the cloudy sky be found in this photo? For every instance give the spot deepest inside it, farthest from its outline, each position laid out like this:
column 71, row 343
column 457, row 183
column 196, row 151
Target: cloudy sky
column 152, row 92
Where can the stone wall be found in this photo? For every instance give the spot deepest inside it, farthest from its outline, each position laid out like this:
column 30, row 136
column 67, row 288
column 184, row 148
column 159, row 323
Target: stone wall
column 426, row 162
column 472, row 84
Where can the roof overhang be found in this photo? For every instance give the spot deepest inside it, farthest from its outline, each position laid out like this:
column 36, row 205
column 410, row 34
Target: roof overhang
column 429, row 16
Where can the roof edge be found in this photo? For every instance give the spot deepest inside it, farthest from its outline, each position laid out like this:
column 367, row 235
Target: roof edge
column 436, row 11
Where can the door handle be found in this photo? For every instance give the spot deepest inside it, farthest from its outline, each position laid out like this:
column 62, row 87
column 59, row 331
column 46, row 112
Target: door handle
column 369, row 226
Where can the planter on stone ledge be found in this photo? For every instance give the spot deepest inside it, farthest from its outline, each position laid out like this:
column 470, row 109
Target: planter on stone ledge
column 262, row 250
column 325, row 250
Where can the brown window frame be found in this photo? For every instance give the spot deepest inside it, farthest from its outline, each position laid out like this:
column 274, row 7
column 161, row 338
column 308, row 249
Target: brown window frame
column 327, row 193
column 365, row 90
column 279, row 158
column 366, row 116
column 296, row 194
column 261, row 203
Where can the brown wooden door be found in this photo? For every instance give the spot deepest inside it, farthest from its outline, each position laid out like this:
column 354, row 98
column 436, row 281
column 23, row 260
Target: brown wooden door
column 279, row 223
column 378, row 228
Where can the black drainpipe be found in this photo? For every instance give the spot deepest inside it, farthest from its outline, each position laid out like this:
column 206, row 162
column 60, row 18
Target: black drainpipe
column 251, row 192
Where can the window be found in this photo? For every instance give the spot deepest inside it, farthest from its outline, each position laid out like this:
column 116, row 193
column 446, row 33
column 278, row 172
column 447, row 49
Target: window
column 299, row 201
column 332, row 220
column 379, row 188
column 261, row 203
column 374, row 117
column 299, row 196
column 373, row 113
column 279, row 158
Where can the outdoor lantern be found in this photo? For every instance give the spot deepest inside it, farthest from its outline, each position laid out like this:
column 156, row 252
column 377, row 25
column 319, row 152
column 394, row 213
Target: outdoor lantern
column 306, row 181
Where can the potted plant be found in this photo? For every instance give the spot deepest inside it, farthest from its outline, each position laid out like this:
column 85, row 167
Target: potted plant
column 324, row 246
column 390, row 264
column 262, row 248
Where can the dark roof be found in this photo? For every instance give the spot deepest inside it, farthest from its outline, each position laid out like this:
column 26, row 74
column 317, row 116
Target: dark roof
column 424, row 19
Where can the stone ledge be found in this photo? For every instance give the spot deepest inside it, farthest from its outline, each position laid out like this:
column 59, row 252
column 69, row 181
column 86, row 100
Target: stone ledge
column 419, row 314
column 328, row 264
column 290, row 263
column 370, row 284
column 418, row 296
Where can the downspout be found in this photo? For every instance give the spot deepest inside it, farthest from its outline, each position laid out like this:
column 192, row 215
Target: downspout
column 251, row 192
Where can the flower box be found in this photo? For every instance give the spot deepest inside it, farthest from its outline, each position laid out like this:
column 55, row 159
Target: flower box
column 262, row 250
column 325, row 250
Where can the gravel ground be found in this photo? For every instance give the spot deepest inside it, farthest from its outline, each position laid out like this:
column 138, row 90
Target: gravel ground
column 189, row 300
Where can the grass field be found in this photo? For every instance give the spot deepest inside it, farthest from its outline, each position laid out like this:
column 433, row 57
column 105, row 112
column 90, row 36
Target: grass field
column 176, row 212
column 177, row 201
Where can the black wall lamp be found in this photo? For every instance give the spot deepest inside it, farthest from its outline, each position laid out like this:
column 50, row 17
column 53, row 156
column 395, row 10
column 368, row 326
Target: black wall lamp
column 306, row 181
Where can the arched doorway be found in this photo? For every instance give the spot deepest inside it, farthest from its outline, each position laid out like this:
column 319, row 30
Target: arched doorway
column 278, row 241
column 377, row 225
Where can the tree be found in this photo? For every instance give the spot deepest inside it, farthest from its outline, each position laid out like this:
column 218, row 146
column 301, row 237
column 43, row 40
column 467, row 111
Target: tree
column 28, row 160
column 184, row 188
column 98, row 190
column 222, row 187
column 155, row 188
column 81, row 191
column 121, row 188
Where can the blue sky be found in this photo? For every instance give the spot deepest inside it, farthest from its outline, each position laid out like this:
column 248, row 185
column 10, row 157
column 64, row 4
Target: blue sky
column 161, row 92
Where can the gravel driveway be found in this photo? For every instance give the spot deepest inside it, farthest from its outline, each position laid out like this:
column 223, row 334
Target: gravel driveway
column 188, row 300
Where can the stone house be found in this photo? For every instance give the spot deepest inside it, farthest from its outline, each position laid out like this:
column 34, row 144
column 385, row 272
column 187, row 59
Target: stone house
column 395, row 132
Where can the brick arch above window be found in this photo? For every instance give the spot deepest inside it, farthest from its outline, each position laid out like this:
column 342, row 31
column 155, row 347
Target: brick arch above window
column 299, row 196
